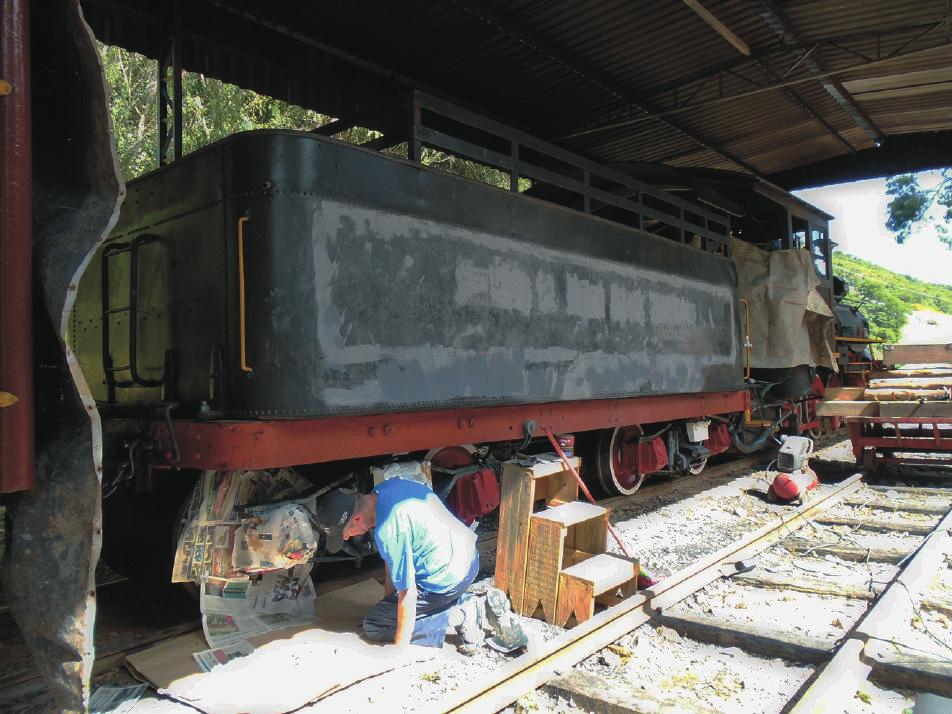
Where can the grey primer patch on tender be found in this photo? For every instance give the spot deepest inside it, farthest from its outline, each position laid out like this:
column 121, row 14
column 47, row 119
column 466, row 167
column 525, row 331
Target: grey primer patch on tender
column 463, row 314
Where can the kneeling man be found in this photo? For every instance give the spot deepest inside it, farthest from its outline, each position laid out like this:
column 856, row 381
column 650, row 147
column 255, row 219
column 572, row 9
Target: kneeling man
column 430, row 557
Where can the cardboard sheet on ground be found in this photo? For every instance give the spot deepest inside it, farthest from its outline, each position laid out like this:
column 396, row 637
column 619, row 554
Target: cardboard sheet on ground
column 288, row 669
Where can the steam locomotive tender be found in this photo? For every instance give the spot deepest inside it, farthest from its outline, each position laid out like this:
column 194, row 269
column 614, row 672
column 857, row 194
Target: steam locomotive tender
column 281, row 299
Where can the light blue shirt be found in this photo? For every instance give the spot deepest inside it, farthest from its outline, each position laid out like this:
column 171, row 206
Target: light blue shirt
column 420, row 540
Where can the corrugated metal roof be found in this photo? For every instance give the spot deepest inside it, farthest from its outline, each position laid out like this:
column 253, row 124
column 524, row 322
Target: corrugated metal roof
column 614, row 79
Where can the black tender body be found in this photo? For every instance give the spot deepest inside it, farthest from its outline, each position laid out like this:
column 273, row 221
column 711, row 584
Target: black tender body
column 372, row 284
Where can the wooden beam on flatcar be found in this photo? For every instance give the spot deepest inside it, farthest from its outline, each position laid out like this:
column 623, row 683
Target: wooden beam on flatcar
column 849, row 408
column 917, row 354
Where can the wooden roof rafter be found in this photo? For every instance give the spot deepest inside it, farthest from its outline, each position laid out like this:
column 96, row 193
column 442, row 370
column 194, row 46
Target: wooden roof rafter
column 771, row 73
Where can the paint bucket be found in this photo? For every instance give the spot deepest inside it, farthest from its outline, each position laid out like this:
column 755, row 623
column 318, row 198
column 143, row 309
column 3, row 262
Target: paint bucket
column 566, row 443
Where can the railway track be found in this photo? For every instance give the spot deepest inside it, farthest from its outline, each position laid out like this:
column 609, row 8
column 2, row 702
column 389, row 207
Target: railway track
column 551, row 667
column 888, row 622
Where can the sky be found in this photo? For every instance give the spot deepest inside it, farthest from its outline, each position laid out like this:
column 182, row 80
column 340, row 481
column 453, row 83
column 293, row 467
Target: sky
column 859, row 228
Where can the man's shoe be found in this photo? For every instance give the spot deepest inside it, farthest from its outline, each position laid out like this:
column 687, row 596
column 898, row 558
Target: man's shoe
column 470, row 630
column 508, row 634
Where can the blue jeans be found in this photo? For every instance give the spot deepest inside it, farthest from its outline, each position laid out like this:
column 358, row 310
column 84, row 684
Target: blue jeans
column 432, row 613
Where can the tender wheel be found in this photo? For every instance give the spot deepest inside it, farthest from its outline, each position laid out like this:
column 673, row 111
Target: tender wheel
column 449, row 458
column 615, row 461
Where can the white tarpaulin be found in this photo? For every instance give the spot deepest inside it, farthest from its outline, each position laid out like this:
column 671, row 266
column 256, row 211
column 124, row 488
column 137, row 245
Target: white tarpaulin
column 790, row 322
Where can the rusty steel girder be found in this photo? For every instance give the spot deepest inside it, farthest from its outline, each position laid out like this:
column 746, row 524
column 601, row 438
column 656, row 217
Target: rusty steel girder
column 16, row 245
column 55, row 534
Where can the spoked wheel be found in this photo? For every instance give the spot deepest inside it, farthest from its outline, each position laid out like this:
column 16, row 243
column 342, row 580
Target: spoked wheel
column 616, row 460
column 451, row 457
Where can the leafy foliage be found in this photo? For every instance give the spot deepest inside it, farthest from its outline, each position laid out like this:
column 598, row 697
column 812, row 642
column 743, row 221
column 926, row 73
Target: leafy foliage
column 887, row 298
column 912, row 206
column 212, row 110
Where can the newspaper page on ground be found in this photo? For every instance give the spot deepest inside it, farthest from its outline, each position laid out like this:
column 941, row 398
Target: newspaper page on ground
column 235, row 609
column 116, row 700
column 209, row 659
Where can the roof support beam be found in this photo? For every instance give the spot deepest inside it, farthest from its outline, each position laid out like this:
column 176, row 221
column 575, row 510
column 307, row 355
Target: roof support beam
column 903, row 153
column 741, row 46
column 489, row 15
column 805, row 106
column 719, row 27
column 623, row 117
column 775, row 18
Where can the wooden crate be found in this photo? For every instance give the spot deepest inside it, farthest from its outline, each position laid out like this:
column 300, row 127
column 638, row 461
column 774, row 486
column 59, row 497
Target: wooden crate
column 559, row 537
column 602, row 579
column 521, row 487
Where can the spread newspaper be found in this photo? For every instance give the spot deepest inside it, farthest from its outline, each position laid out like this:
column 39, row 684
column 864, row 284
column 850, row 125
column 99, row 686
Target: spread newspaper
column 250, row 554
column 235, row 609
column 213, row 518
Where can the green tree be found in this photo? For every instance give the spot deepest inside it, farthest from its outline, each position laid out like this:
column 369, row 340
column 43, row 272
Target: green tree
column 887, row 298
column 911, row 206
column 212, row 110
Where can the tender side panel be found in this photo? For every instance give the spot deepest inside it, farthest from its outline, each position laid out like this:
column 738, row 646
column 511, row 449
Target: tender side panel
column 377, row 285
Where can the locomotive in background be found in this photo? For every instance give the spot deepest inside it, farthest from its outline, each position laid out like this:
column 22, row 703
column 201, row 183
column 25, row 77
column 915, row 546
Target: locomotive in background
column 279, row 299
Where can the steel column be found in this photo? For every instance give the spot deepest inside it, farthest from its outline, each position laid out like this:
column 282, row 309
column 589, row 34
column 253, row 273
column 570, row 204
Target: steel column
column 171, row 59
column 177, row 81
column 16, row 246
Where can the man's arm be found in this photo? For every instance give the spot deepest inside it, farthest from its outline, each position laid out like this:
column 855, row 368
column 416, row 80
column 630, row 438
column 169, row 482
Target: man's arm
column 406, row 615
column 388, row 581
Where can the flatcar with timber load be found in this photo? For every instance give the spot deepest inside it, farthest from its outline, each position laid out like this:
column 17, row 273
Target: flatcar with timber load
column 279, row 299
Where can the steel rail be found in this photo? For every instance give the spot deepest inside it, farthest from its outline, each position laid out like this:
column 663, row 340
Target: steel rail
column 851, row 664
column 534, row 669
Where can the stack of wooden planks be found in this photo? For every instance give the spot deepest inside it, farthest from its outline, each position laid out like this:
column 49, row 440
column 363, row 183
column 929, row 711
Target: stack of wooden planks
column 915, row 391
column 897, row 385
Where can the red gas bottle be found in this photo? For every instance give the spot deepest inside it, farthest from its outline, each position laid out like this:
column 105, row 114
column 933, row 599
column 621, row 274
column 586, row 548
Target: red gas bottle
column 796, row 478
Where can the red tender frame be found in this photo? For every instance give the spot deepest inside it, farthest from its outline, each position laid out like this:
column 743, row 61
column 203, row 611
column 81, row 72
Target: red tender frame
column 229, row 445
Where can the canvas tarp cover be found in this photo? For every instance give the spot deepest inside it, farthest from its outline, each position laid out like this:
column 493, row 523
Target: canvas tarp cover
column 790, row 322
